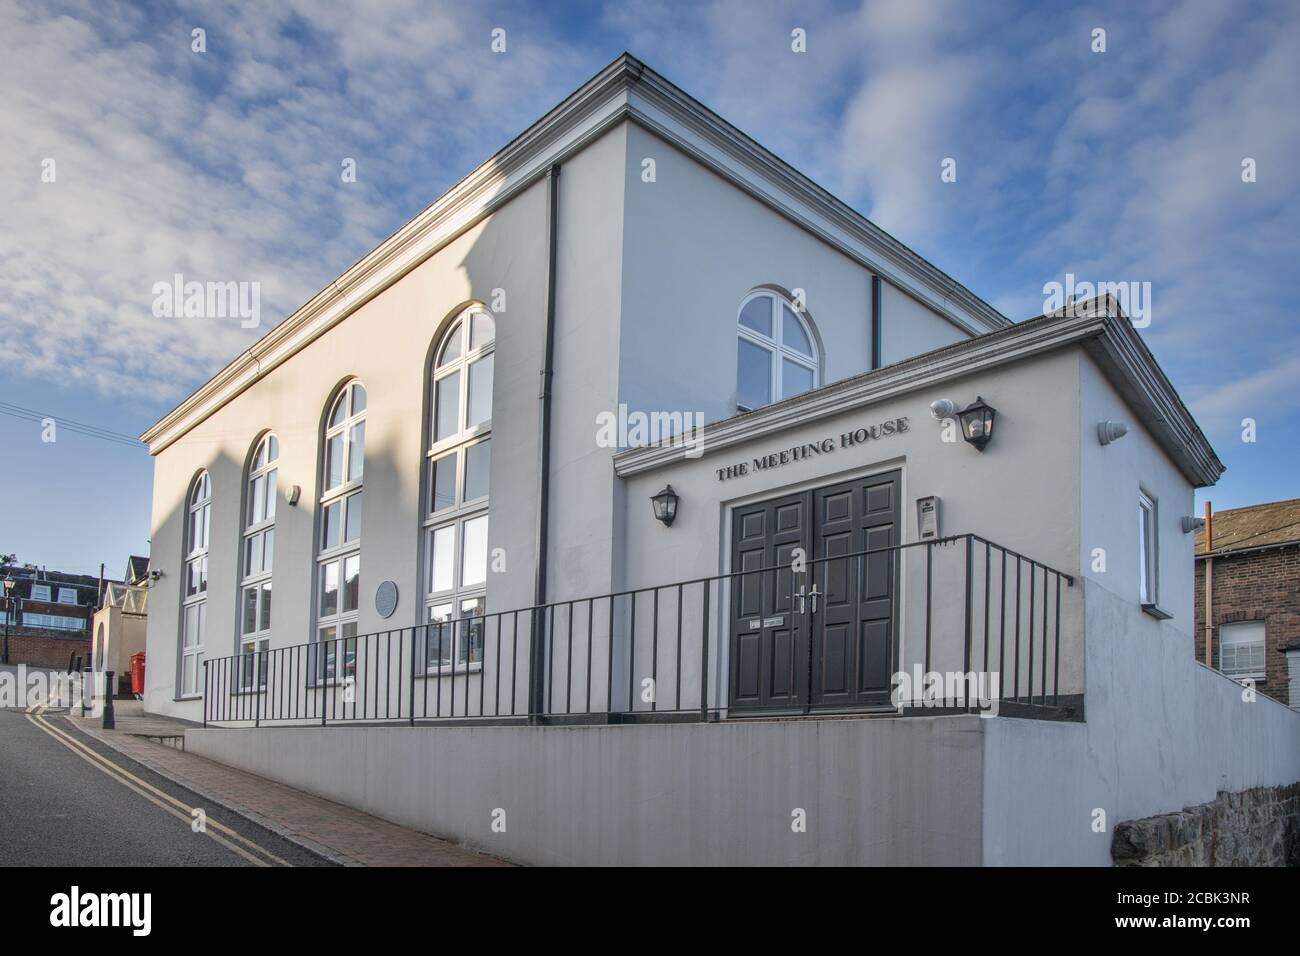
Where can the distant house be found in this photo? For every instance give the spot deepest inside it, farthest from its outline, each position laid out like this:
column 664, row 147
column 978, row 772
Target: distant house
column 45, row 615
column 119, row 624
column 1252, row 566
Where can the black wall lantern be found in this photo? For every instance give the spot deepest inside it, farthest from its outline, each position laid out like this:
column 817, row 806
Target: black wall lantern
column 665, row 505
column 977, row 422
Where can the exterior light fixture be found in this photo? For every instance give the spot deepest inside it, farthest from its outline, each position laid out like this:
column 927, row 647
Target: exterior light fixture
column 1108, row 432
column 1191, row 524
column 665, row 505
column 977, row 422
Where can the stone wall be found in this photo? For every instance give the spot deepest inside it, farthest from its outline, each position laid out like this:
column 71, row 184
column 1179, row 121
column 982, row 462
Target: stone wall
column 1257, row 827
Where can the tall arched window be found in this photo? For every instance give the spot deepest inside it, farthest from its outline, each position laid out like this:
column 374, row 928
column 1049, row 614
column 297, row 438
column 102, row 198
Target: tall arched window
column 338, row 560
column 194, row 588
column 256, row 557
column 776, row 356
column 456, row 497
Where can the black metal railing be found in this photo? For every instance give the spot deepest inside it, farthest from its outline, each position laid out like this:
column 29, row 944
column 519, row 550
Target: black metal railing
column 960, row 604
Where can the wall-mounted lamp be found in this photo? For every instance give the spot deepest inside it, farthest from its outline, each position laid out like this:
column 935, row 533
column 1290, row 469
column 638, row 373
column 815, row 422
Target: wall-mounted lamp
column 943, row 409
column 1191, row 524
column 1108, row 432
column 155, row 574
column 665, row 505
column 294, row 494
column 977, row 422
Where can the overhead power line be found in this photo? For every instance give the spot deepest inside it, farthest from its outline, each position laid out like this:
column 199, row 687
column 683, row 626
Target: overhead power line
column 79, row 428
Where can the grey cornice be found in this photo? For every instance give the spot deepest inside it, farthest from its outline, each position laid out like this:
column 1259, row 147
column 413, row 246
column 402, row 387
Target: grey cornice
column 1112, row 341
column 598, row 105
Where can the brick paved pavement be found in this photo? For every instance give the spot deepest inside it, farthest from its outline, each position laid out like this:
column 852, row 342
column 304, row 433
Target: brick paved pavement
column 339, row 833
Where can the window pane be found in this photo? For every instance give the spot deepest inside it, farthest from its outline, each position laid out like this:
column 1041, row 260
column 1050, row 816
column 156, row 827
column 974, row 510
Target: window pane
column 329, row 647
column 253, row 554
column 330, row 529
column 452, row 350
column 757, row 315
column 474, row 560
column 334, row 461
column 358, row 399
column 268, row 551
column 351, row 582
column 270, row 492
column 207, row 524
column 753, row 375
column 447, row 401
column 793, row 335
column 478, row 461
column 257, row 500
column 482, row 331
column 340, row 410
column 442, row 559
column 272, row 448
column 190, row 679
column 248, row 624
column 438, row 647
column 264, row 611
column 795, row 378
column 353, row 530
column 1144, row 556
column 191, row 634
column 356, row 451
column 443, row 493
column 329, row 589
column 469, row 647
column 480, row 393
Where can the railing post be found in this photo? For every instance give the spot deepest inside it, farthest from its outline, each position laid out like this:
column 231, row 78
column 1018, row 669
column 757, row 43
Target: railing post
column 704, row 658
column 412, row 695
column 536, row 653
column 257, row 689
column 970, row 571
column 205, row 693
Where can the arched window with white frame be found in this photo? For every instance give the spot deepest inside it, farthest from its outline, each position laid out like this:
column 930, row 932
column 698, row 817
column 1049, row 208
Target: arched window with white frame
column 256, row 556
column 458, row 463
column 194, row 585
column 776, row 355
column 338, row 555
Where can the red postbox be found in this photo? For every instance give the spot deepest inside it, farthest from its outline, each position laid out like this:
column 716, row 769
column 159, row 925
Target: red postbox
column 137, row 673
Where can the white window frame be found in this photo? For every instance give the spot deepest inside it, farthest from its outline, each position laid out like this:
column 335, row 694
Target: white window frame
column 41, row 592
column 347, row 411
column 261, row 494
column 194, row 588
column 776, row 346
column 1148, row 550
column 67, row 596
column 447, row 606
column 1233, row 635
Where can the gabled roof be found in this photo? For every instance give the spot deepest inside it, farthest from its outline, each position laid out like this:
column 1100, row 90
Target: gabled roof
column 1255, row 526
column 625, row 90
column 137, row 568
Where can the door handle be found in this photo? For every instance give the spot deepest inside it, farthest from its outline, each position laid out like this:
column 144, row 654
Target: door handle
column 814, row 594
column 803, row 594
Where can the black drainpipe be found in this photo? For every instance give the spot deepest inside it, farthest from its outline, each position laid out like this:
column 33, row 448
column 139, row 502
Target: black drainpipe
column 537, row 653
column 875, row 321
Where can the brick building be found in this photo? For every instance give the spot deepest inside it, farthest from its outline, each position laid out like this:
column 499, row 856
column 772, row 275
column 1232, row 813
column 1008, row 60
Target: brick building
column 1253, row 563
column 45, row 615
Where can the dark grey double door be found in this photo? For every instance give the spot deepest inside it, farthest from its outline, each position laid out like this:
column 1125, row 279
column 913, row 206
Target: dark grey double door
column 824, row 637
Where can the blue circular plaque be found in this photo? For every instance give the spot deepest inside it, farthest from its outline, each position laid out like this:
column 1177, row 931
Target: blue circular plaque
column 386, row 598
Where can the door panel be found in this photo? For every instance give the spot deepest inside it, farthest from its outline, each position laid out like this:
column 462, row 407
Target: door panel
column 834, row 651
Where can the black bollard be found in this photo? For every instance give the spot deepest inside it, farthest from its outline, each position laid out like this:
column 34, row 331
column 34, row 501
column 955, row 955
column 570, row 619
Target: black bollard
column 109, row 722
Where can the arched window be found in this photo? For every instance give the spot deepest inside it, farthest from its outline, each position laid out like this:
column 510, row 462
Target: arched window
column 194, row 588
column 338, row 559
column 456, row 497
column 776, row 355
column 256, row 557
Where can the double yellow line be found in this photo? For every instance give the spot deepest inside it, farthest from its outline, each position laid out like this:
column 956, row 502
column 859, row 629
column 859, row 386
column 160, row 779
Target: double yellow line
column 234, row 842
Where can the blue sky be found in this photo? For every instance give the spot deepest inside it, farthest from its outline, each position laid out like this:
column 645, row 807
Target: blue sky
column 1115, row 166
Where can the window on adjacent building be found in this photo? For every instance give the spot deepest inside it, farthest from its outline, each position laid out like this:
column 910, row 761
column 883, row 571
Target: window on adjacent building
column 41, row 592
column 338, row 559
column 1241, row 650
column 58, row 622
column 67, row 595
column 256, row 555
column 1147, row 541
column 458, row 464
column 194, row 586
column 776, row 357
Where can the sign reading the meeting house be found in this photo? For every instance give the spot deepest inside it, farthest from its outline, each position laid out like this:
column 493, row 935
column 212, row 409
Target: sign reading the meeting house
column 814, row 449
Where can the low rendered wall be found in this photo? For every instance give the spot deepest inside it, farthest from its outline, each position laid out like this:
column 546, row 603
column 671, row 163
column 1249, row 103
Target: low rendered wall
column 873, row 791
column 1162, row 733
